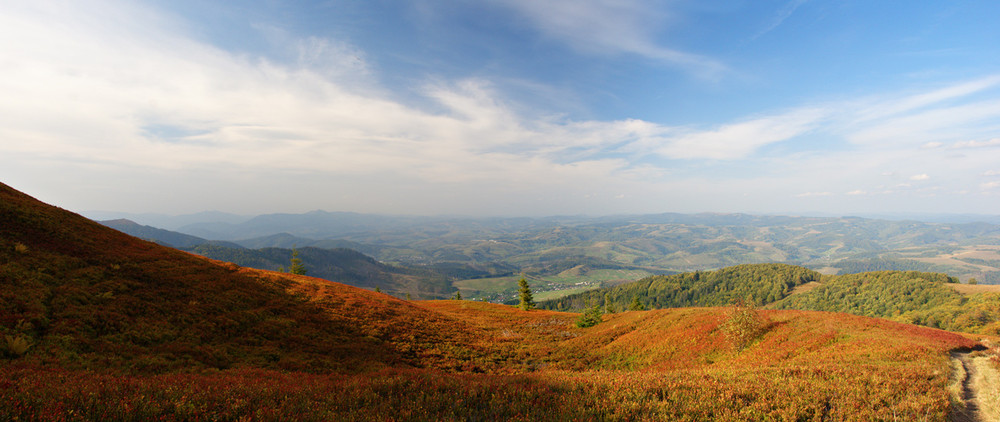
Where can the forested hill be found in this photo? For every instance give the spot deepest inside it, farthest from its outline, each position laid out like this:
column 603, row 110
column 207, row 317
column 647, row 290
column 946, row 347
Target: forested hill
column 908, row 296
column 341, row 265
column 921, row 298
column 759, row 283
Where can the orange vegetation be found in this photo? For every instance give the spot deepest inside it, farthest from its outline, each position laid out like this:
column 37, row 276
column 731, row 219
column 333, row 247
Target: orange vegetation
column 122, row 329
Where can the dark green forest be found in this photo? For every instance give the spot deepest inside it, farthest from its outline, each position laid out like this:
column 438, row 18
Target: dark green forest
column 757, row 283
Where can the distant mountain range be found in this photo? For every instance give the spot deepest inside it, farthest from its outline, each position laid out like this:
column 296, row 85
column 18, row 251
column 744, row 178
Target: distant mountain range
column 545, row 248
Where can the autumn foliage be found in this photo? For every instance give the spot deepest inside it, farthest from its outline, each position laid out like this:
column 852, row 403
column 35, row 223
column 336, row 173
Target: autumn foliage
column 121, row 329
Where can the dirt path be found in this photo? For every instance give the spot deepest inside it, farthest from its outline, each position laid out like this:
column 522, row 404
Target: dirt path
column 965, row 407
column 974, row 388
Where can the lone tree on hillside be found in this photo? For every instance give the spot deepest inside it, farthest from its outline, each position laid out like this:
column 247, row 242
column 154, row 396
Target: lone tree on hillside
column 297, row 267
column 458, row 295
column 527, row 302
column 590, row 317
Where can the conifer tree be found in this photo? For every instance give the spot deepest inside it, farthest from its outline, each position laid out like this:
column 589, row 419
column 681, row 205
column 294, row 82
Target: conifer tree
column 609, row 306
column 591, row 317
column 636, row 305
column 458, row 295
column 524, row 291
column 297, row 267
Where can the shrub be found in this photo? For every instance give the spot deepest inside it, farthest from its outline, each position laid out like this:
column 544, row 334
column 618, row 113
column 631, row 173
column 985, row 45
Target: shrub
column 17, row 346
column 743, row 324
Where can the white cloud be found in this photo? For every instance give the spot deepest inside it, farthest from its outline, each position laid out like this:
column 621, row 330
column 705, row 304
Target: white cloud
column 813, row 194
column 995, row 142
column 114, row 89
column 611, row 26
column 737, row 140
column 128, row 94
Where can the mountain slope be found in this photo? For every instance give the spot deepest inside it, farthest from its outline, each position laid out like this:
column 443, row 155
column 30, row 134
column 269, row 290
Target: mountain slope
column 123, row 329
column 84, row 295
column 163, row 237
column 341, row 265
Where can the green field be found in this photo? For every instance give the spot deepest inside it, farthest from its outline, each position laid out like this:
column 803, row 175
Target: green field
column 547, row 287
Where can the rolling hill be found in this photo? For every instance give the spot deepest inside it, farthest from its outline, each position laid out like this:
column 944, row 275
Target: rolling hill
column 930, row 299
column 99, row 325
column 330, row 263
column 86, row 296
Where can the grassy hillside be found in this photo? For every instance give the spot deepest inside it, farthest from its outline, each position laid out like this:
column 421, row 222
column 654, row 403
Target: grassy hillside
column 85, row 296
column 98, row 325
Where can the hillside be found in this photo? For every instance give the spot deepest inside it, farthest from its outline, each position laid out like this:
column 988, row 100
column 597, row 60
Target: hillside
column 105, row 326
column 86, row 296
column 930, row 299
column 341, row 265
column 330, row 263
column 163, row 237
column 918, row 298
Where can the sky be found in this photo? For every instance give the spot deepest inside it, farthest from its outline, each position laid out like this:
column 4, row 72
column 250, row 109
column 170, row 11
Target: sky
column 503, row 107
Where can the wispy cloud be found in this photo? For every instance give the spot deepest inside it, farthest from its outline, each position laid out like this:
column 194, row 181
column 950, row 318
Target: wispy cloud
column 737, row 140
column 995, row 142
column 780, row 16
column 813, row 194
column 120, row 90
column 611, row 26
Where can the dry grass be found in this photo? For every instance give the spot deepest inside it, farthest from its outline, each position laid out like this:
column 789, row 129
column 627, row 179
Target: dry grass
column 971, row 289
column 987, row 385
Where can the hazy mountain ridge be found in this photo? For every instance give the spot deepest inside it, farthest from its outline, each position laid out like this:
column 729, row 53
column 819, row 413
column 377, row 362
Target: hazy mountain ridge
column 657, row 244
column 804, row 240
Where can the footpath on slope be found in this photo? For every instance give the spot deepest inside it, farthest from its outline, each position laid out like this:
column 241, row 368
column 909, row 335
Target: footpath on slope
column 975, row 387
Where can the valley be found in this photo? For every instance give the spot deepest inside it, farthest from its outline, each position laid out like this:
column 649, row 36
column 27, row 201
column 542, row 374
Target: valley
column 483, row 258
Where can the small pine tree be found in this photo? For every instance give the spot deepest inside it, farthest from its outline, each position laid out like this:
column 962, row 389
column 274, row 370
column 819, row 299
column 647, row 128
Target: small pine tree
column 609, row 306
column 407, row 296
column 591, row 317
column 297, row 267
column 524, row 292
column 458, row 295
column 378, row 290
column 636, row 304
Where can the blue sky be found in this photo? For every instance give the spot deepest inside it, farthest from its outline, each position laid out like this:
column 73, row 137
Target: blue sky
column 503, row 107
